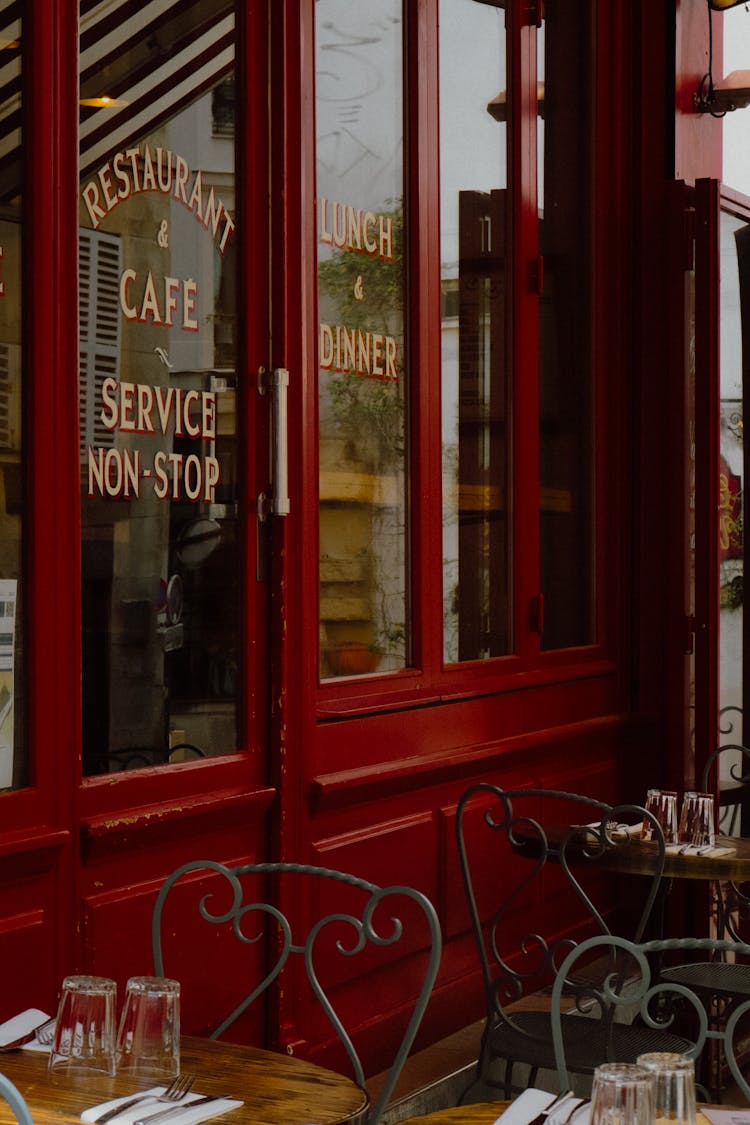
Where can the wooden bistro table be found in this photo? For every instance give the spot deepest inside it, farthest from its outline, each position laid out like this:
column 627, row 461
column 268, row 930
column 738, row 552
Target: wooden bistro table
column 276, row 1089
column 639, row 858
column 486, row 1113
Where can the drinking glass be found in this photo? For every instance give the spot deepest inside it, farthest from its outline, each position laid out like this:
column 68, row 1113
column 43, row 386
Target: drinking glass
column 85, row 1028
column 148, row 1039
column 697, row 820
column 662, row 803
column 675, row 1085
column 622, row 1094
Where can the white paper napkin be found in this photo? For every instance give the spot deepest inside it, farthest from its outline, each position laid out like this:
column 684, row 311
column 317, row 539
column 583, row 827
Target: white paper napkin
column 526, row 1107
column 710, row 853
column 618, row 831
column 532, row 1102
column 20, row 1025
column 186, row 1116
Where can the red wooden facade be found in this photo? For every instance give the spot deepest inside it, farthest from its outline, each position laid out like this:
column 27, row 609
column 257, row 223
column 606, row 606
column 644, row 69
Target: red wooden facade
column 364, row 772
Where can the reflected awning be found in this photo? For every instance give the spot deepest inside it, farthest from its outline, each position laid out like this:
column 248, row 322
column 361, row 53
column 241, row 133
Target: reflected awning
column 152, row 59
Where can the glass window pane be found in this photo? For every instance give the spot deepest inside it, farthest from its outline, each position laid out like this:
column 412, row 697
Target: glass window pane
column 158, row 383
column 476, row 390
column 14, row 771
column 565, row 422
column 363, row 362
column 735, row 240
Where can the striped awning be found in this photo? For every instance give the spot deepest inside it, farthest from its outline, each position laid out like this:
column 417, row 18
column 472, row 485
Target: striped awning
column 10, row 99
column 152, row 58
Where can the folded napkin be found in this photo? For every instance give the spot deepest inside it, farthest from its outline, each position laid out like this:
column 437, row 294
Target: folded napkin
column 528, row 1105
column 728, row 1116
column 711, row 853
column 618, row 831
column 183, row 1114
column 21, row 1025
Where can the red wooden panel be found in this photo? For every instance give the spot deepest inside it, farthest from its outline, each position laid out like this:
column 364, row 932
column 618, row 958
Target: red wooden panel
column 26, row 943
column 215, row 970
column 398, row 852
column 494, row 869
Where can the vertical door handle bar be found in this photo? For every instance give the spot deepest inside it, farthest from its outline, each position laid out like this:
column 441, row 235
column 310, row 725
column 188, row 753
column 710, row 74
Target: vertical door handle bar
column 278, row 503
column 280, row 439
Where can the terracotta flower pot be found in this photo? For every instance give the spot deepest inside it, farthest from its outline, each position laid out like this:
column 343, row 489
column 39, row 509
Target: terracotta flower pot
column 352, row 658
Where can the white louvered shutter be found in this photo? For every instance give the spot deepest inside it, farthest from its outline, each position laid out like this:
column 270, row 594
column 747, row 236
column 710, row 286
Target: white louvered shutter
column 99, row 268
column 10, row 397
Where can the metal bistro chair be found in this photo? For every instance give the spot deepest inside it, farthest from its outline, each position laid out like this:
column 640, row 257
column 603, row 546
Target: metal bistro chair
column 233, row 903
column 524, row 850
column 633, row 979
column 15, row 1100
column 723, row 983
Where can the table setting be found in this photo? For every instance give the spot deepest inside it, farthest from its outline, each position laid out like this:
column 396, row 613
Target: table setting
column 139, row 1069
column 86, row 1037
column 658, row 1089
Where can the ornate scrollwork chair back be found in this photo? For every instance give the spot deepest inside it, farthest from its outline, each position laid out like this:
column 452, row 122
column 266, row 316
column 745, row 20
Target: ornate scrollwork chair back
column 731, row 900
column 631, row 979
column 540, row 850
column 723, row 981
column 398, row 919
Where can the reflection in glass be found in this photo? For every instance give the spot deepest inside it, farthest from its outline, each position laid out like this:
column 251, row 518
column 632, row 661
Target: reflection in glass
column 363, row 365
column 158, row 386
column 13, row 753
column 476, row 394
column 735, row 295
column 565, row 420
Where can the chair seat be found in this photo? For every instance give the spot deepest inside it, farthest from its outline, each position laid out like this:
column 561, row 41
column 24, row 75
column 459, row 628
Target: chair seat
column 529, row 1040
column 711, row 976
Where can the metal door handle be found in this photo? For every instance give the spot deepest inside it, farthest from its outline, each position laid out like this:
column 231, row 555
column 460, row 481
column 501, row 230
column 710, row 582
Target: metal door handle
column 280, row 386
column 278, row 502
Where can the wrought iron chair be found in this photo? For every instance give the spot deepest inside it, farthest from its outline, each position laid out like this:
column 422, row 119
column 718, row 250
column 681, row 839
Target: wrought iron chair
column 633, row 979
column 719, row 981
column 548, row 847
column 232, row 902
column 15, row 1100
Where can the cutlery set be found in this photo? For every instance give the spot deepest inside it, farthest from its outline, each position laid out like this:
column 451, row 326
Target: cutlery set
column 178, row 1093
column 43, row 1034
column 558, row 1112
column 175, row 1092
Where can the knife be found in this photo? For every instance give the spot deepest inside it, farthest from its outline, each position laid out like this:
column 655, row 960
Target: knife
column 176, row 1110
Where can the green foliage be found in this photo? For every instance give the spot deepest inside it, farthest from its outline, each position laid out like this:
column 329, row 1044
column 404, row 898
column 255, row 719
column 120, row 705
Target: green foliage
column 370, row 412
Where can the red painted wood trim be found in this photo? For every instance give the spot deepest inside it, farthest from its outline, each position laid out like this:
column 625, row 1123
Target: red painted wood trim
column 32, row 842
column 346, row 787
column 474, row 679
column 707, row 447
column 221, row 805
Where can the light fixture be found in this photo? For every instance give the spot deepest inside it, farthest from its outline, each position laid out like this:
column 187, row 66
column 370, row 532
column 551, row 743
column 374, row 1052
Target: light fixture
column 498, row 107
column 103, row 102
column 734, row 92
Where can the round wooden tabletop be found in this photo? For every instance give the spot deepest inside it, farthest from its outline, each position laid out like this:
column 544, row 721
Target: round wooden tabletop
column 484, row 1113
column 638, row 858
column 276, row 1089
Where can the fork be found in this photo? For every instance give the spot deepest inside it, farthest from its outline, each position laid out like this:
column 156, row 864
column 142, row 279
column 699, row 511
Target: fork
column 580, row 1105
column 45, row 1033
column 30, row 1036
column 554, row 1105
column 175, row 1092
